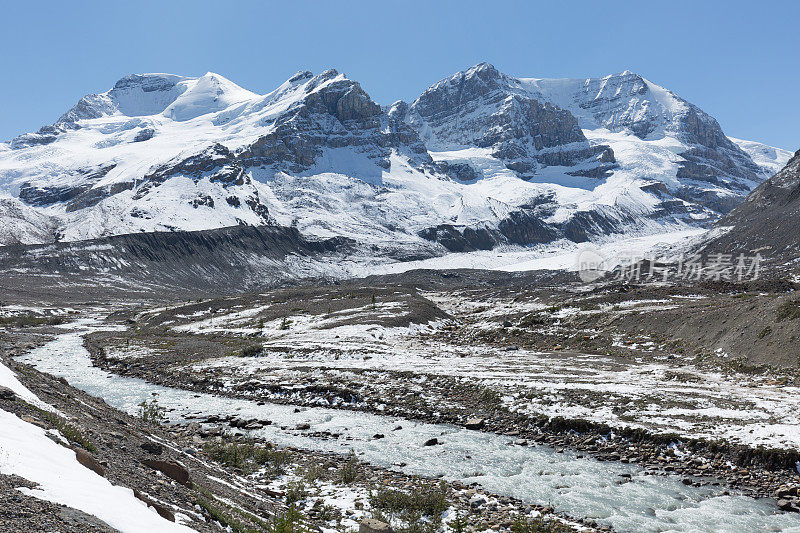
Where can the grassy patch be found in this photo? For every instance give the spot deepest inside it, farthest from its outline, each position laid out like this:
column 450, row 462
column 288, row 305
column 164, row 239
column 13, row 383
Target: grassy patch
column 251, row 351
column 23, row 321
column 248, row 457
column 70, row 432
column 410, row 512
column 349, row 472
column 789, row 310
column 490, row 398
column 295, row 492
column 239, row 521
column 152, row 413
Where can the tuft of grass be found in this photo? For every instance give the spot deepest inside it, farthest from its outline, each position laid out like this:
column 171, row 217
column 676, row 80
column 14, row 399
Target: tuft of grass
column 291, row 521
column 764, row 332
column 788, row 310
column 316, row 472
column 295, row 492
column 70, row 432
column 325, row 513
column 490, row 398
column 349, row 472
column 239, row 521
column 417, row 512
column 459, row 523
column 251, row 351
column 30, row 320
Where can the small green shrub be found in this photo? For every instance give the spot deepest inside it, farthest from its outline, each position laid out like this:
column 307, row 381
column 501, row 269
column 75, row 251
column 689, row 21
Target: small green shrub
column 420, row 511
column 70, row 432
column 289, row 522
column 490, row 398
column 349, row 472
column 295, row 492
column 251, row 351
column 459, row 523
column 152, row 412
column 30, row 320
column 316, row 472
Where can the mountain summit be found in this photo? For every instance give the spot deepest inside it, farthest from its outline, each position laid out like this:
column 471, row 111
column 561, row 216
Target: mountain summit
column 480, row 159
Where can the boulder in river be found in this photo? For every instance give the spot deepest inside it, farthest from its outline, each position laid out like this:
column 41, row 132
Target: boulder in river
column 475, row 423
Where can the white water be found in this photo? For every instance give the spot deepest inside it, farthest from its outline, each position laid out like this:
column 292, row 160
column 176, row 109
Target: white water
column 579, row 487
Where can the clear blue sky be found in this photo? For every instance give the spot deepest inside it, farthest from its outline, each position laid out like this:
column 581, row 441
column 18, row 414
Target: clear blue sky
column 739, row 61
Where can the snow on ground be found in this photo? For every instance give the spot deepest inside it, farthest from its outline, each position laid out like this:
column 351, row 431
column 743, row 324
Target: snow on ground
column 8, row 379
column 28, row 452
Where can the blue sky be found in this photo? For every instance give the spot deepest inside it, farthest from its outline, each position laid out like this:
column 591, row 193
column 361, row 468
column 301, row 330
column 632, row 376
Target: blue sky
column 736, row 60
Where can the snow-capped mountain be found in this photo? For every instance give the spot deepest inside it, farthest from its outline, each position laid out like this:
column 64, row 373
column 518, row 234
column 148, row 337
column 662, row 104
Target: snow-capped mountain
column 620, row 130
column 479, row 159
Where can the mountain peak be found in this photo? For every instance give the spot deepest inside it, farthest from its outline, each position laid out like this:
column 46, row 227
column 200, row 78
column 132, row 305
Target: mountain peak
column 148, row 81
column 483, row 66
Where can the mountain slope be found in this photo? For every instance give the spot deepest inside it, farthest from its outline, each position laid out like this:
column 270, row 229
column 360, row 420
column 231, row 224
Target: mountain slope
column 767, row 222
column 479, row 160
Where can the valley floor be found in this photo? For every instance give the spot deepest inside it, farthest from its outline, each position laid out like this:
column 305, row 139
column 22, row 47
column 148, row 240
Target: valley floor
column 608, row 403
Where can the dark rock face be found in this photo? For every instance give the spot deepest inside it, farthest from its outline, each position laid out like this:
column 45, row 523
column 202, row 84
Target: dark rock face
column 526, row 227
column 608, row 99
column 482, row 107
column 714, row 159
column 338, row 115
column 7, row 394
column 458, row 171
column 144, row 135
column 83, row 194
column 162, row 510
column 153, row 448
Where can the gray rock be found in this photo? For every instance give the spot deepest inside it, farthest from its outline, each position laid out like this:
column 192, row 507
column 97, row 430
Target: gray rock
column 787, row 505
column 370, row 525
column 7, row 394
column 475, row 423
